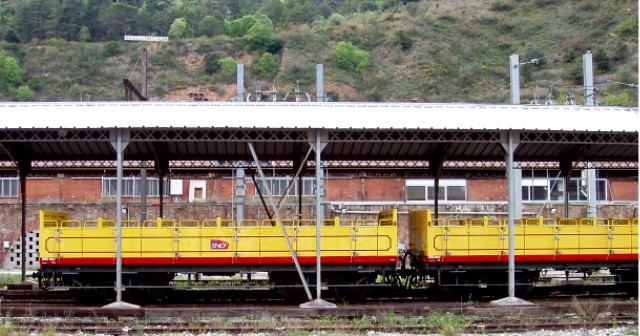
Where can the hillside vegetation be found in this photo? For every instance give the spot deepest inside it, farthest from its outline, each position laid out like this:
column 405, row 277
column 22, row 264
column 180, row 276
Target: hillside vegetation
column 372, row 50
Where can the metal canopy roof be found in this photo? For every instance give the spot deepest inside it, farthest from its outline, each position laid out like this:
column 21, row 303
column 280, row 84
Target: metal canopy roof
column 58, row 133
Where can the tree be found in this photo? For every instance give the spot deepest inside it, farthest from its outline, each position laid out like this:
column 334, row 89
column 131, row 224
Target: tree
column 267, row 66
column 211, row 62
column 84, row 35
column 239, row 27
column 36, row 19
column 212, row 25
column 179, row 29
column 273, row 10
column 71, row 19
column 118, row 18
column 259, row 38
column 299, row 11
column 351, row 58
column 91, row 15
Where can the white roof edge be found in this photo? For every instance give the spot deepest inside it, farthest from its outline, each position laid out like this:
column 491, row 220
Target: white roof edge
column 89, row 115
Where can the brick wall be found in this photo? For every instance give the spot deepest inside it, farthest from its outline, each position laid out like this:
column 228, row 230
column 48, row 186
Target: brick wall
column 486, row 190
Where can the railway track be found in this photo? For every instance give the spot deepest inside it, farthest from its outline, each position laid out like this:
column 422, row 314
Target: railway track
column 391, row 322
column 56, row 312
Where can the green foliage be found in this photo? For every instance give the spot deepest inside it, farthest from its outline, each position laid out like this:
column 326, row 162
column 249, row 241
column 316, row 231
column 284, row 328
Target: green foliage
column 351, row 58
column 24, row 93
column 447, row 324
column 621, row 99
column 267, row 66
column 212, row 25
column 273, row 10
column 180, row 30
column 6, row 279
column 628, row 28
column 500, row 6
column 335, row 19
column 10, row 72
column 211, row 62
column 111, row 48
column 402, row 39
column 84, row 35
column 239, row 27
column 299, row 11
column 118, row 19
column 260, row 38
column 415, row 50
column 228, row 68
column 601, row 59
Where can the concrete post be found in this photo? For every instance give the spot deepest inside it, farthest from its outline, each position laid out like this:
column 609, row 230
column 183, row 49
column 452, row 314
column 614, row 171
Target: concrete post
column 587, row 67
column 320, row 83
column 240, row 83
column 514, row 66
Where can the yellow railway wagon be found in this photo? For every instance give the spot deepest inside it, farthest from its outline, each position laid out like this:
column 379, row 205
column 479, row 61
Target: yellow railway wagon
column 537, row 240
column 466, row 256
column 212, row 243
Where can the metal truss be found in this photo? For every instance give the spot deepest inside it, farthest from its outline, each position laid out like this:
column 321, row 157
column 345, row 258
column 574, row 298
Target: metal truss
column 391, row 168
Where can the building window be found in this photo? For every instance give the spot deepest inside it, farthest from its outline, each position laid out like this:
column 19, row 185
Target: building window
column 8, row 187
column 553, row 190
column 452, row 190
column 131, row 187
column 278, row 186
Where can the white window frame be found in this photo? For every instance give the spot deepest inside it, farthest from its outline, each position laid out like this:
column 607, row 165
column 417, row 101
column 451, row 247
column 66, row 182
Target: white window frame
column 445, row 185
column 557, row 184
column 278, row 185
column 9, row 187
column 131, row 187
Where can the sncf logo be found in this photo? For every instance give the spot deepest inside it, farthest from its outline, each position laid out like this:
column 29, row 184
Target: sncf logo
column 219, row 244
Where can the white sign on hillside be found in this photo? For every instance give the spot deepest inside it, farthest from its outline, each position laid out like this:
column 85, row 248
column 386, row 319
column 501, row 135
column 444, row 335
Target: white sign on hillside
column 146, row 38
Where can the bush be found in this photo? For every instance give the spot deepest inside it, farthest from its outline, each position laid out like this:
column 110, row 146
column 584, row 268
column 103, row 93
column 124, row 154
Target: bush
column 499, row 6
column 601, row 58
column 10, row 71
column 24, row 93
column 267, row 66
column 259, row 38
column 628, row 28
column 228, row 67
column 616, row 100
column 211, row 26
column 179, row 29
column 111, row 48
column 211, row 63
column 402, row 39
column 351, row 58
column 335, row 19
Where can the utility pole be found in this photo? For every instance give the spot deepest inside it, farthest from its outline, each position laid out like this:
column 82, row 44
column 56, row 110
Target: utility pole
column 590, row 100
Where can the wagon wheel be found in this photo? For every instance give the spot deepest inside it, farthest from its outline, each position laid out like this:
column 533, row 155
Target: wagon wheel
column 291, row 291
column 351, row 290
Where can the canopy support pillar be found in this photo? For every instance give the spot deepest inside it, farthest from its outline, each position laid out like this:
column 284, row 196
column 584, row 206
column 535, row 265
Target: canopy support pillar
column 510, row 141
column 119, row 140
